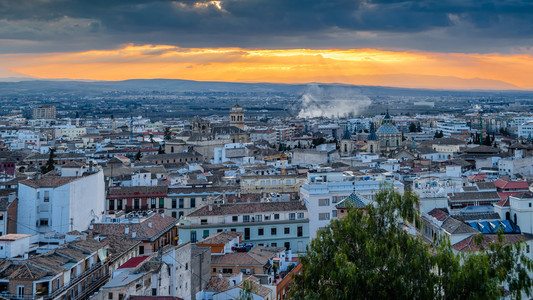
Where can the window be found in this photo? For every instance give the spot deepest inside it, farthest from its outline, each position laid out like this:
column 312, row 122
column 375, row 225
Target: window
column 323, row 216
column 260, row 231
column 153, row 202
column 287, row 245
column 193, row 202
column 43, row 222
column 46, row 196
column 246, row 233
column 154, row 292
column 227, row 271
column 136, row 204
column 193, row 236
column 233, row 229
column 323, row 202
column 235, row 218
column 181, row 201
column 141, row 249
column 203, row 221
column 111, row 204
column 180, row 214
column 119, row 204
column 274, row 244
column 300, row 215
column 20, row 290
column 110, row 296
column 287, row 230
column 334, row 213
column 292, row 216
column 214, row 270
column 288, row 182
column 267, row 217
column 206, row 233
column 174, row 203
column 161, row 202
column 246, row 218
column 174, row 214
column 1, row 217
column 258, row 218
column 276, row 216
column 273, row 231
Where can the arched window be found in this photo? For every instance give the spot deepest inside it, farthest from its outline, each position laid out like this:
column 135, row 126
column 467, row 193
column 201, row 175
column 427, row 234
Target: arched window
column 515, row 219
column 345, row 147
column 508, row 216
column 371, row 148
column 172, row 149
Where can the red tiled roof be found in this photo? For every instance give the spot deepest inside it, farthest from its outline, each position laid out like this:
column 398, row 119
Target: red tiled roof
column 505, row 195
column 143, row 231
column 503, row 184
column 134, row 262
column 478, row 176
column 438, row 214
column 503, row 203
column 468, row 244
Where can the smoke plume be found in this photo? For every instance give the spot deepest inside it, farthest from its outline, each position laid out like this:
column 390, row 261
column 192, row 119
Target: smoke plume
column 332, row 101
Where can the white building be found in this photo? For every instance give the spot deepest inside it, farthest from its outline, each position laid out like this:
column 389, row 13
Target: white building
column 61, row 204
column 69, row 132
column 525, row 129
column 449, row 128
column 323, row 189
column 16, row 245
column 519, row 209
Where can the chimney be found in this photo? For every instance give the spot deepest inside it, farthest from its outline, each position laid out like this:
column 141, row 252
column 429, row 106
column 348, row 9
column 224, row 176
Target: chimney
column 210, row 206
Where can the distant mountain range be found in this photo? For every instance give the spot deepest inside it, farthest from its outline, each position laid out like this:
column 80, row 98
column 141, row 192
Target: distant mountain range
column 13, row 86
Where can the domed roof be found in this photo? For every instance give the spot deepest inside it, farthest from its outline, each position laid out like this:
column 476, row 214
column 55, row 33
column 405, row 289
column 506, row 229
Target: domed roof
column 388, row 129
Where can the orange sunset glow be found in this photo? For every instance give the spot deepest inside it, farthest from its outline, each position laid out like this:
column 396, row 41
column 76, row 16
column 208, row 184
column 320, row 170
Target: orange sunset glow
column 354, row 66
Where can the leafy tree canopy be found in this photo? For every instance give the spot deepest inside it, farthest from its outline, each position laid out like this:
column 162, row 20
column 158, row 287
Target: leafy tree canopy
column 368, row 254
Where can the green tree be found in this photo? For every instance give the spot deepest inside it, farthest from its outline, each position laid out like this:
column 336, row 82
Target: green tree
column 412, row 127
column 167, row 134
column 369, row 255
column 247, row 291
column 138, row 155
column 50, row 164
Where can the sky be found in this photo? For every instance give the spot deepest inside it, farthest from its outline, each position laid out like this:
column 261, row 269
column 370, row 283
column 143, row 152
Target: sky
column 457, row 44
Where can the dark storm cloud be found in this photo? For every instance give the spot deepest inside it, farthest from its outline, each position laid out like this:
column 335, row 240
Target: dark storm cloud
column 465, row 25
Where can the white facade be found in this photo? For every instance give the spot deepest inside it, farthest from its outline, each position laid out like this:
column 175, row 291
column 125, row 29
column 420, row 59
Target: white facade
column 520, row 211
column 63, row 208
column 449, row 128
column 512, row 165
column 13, row 245
column 69, row 132
column 525, row 130
column 323, row 190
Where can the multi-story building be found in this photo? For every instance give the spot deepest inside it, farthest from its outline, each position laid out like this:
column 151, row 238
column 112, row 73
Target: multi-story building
column 8, row 211
column 525, row 129
column 323, row 189
column 60, row 203
column 69, row 132
column 270, row 223
column 44, row 112
column 271, row 183
column 453, row 128
column 154, row 230
column 182, row 201
column 73, row 271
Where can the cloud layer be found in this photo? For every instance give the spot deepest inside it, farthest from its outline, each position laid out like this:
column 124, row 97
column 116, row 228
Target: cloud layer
column 479, row 26
column 355, row 66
